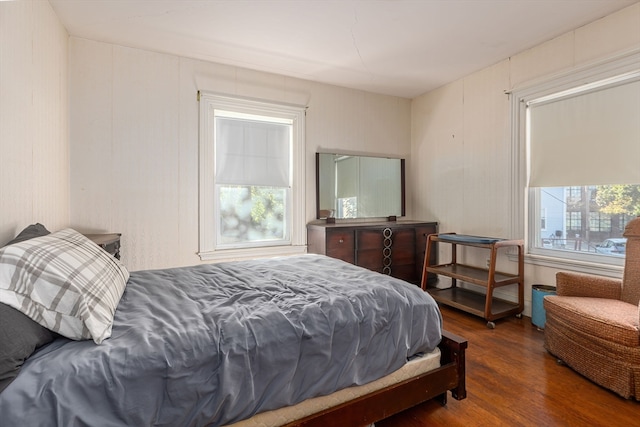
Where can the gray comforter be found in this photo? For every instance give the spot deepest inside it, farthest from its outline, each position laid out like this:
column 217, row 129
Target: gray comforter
column 214, row 344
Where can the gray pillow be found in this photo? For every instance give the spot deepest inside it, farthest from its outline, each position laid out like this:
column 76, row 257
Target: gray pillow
column 32, row 231
column 20, row 336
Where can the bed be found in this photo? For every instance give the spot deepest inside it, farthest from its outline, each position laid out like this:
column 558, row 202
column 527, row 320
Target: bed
column 305, row 340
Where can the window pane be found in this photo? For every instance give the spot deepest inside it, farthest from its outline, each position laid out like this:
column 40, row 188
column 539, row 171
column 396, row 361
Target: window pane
column 585, row 219
column 252, row 214
column 348, row 207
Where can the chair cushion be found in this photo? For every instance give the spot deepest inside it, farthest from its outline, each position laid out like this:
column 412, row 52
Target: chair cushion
column 609, row 319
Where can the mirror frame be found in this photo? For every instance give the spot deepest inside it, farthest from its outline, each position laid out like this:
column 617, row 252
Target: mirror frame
column 402, row 186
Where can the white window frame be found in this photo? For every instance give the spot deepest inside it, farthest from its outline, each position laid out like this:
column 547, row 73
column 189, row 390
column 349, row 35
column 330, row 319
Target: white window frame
column 209, row 103
column 523, row 212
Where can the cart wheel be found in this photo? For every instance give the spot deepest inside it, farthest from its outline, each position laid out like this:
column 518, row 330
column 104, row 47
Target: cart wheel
column 519, row 315
column 491, row 325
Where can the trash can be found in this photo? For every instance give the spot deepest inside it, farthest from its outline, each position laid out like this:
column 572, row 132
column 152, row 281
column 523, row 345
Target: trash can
column 538, row 313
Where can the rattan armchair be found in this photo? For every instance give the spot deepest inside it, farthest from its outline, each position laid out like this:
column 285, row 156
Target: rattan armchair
column 592, row 324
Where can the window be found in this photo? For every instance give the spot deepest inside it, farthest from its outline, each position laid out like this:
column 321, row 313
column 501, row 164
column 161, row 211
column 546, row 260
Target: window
column 251, row 178
column 578, row 145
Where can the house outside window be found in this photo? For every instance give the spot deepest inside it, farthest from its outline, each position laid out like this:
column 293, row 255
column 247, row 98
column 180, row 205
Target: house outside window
column 251, row 178
column 579, row 138
column 586, row 217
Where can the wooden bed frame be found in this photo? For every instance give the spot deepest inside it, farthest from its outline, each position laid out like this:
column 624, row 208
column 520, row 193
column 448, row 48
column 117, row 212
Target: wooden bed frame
column 381, row 404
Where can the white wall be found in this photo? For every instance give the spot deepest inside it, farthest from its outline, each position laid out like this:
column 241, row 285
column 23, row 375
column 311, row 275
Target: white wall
column 461, row 137
column 34, row 149
column 134, row 140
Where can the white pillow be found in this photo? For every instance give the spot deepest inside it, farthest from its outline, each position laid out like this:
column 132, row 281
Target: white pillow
column 65, row 282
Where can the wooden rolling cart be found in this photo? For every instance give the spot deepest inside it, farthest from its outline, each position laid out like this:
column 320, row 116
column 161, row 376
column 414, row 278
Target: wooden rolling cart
column 481, row 304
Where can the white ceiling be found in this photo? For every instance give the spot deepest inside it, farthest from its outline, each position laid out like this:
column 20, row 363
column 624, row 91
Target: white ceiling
column 395, row 47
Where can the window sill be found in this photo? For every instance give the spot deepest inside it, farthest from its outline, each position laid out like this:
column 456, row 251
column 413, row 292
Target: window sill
column 556, row 263
column 251, row 253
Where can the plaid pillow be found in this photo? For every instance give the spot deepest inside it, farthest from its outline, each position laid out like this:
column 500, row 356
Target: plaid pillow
column 65, row 282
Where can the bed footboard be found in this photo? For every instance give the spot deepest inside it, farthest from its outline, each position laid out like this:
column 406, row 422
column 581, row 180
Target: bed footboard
column 381, row 404
column 453, row 349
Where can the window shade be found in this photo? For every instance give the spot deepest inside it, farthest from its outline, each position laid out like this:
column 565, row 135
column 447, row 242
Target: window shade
column 252, row 152
column 348, row 184
column 589, row 138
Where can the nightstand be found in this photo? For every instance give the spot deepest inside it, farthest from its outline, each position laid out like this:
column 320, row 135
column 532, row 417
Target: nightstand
column 108, row 242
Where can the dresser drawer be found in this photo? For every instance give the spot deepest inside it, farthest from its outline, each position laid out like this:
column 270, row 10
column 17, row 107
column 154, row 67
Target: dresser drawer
column 340, row 244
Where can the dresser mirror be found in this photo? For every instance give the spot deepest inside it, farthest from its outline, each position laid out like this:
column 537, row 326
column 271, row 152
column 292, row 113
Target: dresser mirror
column 350, row 187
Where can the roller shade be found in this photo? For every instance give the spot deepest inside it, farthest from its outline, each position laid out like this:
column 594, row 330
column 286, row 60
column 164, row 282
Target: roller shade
column 252, row 152
column 348, row 184
column 587, row 138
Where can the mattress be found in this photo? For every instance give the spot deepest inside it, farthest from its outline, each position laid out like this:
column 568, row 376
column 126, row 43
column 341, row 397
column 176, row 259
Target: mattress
column 282, row 416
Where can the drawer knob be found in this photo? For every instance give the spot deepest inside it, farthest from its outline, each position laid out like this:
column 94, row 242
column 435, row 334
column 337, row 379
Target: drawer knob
column 341, row 241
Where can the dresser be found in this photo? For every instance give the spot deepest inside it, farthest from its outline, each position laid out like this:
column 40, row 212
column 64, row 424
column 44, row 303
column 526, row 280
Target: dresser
column 396, row 248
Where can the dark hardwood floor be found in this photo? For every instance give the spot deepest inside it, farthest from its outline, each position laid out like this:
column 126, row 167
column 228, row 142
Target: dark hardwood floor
column 513, row 381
